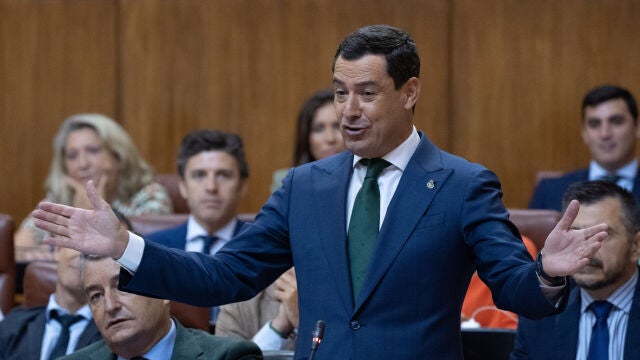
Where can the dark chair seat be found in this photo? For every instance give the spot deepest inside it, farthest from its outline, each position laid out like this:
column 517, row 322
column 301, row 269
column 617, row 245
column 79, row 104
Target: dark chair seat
column 484, row 344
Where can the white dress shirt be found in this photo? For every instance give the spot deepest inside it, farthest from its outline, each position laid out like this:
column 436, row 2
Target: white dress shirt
column 627, row 173
column 194, row 230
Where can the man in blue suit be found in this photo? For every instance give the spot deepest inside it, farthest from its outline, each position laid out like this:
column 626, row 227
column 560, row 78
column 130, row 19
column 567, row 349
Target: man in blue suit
column 610, row 130
column 213, row 179
column 610, row 279
column 391, row 290
column 60, row 327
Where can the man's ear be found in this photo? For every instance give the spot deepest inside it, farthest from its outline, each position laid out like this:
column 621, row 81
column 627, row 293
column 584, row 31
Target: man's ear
column 635, row 248
column 411, row 91
column 183, row 189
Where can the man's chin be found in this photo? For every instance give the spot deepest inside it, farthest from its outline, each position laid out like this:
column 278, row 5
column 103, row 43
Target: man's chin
column 590, row 281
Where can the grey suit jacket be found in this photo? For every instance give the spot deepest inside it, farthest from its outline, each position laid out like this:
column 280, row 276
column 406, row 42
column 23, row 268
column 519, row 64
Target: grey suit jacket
column 190, row 344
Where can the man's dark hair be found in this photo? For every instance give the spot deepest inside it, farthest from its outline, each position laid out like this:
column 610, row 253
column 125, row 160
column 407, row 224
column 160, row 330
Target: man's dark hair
column 397, row 46
column 212, row 140
column 604, row 93
column 591, row 192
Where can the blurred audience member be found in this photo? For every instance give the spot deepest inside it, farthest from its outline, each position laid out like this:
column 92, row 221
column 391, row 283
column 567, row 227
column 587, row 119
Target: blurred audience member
column 317, row 134
column 95, row 147
column 610, row 131
column 270, row 319
column 601, row 320
column 213, row 179
column 60, row 327
column 140, row 327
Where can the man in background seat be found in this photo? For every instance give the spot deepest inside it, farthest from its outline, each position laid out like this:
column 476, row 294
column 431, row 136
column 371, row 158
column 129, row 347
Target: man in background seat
column 610, row 130
column 60, row 327
column 140, row 327
column 213, row 179
column 602, row 317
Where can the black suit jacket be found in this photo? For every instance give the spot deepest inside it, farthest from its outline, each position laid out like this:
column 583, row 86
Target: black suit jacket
column 22, row 330
column 556, row 337
column 548, row 193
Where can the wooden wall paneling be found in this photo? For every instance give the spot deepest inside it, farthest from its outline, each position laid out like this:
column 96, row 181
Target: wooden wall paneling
column 520, row 70
column 57, row 58
column 246, row 66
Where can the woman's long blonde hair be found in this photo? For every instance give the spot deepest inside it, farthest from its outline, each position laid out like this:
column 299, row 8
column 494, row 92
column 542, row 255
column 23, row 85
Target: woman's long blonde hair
column 133, row 172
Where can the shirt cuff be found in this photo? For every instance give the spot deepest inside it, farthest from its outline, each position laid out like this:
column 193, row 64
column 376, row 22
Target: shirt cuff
column 552, row 293
column 132, row 256
column 267, row 339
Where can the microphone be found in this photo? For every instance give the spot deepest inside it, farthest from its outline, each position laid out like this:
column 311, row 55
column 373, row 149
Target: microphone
column 317, row 335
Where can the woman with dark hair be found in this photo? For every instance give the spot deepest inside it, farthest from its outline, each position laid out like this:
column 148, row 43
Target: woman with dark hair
column 317, row 135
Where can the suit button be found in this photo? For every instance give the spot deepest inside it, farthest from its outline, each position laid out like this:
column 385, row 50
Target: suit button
column 355, row 325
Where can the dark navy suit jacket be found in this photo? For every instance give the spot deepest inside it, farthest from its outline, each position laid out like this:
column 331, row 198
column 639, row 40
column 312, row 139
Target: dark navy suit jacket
column 445, row 219
column 22, row 330
column 548, row 193
column 556, row 337
column 176, row 237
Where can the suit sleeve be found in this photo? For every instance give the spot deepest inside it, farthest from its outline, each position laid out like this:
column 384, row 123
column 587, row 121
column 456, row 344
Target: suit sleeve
column 245, row 266
column 501, row 258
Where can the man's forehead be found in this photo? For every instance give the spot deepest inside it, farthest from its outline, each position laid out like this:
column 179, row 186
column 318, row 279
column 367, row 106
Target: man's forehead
column 105, row 268
column 211, row 159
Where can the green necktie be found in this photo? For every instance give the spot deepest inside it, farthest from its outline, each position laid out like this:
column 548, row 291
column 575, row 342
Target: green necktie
column 365, row 223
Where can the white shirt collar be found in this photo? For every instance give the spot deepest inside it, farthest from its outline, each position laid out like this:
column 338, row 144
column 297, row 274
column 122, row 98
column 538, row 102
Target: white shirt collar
column 628, row 171
column 194, row 230
column 84, row 311
column 400, row 156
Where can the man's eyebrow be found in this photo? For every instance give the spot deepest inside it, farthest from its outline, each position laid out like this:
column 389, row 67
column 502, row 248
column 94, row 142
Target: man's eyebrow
column 91, row 288
column 358, row 84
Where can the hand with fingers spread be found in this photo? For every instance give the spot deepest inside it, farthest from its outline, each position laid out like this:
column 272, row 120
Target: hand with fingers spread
column 95, row 232
column 567, row 251
column 286, row 292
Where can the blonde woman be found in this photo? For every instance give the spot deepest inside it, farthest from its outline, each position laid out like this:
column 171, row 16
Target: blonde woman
column 95, row 147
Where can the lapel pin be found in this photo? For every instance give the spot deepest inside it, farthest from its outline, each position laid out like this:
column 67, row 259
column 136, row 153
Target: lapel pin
column 431, row 184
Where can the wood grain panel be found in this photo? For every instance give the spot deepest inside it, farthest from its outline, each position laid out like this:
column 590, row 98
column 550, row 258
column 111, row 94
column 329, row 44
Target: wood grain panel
column 520, row 70
column 57, row 58
column 247, row 65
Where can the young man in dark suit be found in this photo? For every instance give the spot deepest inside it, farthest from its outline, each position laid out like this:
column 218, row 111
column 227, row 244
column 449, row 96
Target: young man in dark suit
column 43, row 332
column 384, row 237
column 610, row 131
column 213, row 179
column 602, row 317
column 135, row 326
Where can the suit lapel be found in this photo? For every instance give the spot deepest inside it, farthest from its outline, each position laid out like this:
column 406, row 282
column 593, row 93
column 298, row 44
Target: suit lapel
column 420, row 182
column 185, row 346
column 566, row 327
column 88, row 336
column 330, row 184
column 632, row 338
column 34, row 338
column 636, row 186
column 104, row 353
